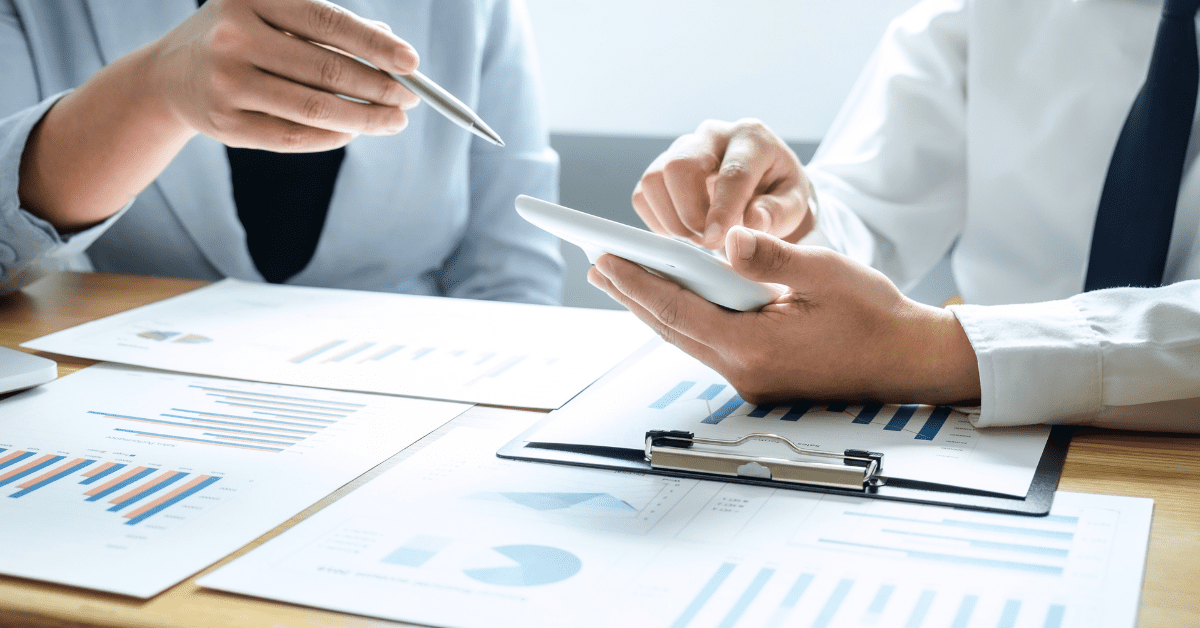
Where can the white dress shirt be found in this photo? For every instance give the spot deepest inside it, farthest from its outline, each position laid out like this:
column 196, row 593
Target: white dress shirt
column 987, row 126
column 428, row 211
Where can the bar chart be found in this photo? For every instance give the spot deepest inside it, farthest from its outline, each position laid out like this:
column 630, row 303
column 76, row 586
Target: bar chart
column 132, row 491
column 890, row 418
column 242, row 419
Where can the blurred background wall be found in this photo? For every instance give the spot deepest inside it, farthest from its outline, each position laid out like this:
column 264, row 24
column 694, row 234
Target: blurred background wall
column 624, row 78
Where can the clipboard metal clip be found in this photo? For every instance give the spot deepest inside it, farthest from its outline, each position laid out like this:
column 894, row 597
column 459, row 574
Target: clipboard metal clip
column 673, row 450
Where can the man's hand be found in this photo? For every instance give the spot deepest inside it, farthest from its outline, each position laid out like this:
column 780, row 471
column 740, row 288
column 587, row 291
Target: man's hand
column 840, row 331
column 266, row 74
column 723, row 175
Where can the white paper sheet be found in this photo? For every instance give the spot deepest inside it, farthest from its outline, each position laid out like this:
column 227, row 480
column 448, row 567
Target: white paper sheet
column 128, row 480
column 456, row 537
column 509, row 354
column 665, row 389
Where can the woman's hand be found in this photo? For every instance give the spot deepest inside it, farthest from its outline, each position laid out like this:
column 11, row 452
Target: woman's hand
column 268, row 74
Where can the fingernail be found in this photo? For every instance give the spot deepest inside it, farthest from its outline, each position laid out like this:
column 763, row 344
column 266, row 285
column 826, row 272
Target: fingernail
column 712, row 232
column 744, row 242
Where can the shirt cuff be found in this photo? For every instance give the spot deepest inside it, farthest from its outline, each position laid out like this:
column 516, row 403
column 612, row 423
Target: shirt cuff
column 1038, row 363
column 30, row 246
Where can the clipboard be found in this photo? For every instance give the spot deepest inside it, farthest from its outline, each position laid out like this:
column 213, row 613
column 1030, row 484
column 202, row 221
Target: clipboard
column 1037, row 501
column 789, row 465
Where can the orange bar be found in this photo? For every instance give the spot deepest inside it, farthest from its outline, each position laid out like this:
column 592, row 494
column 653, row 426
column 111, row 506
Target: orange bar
column 26, row 466
column 145, row 485
column 99, row 469
column 11, row 456
column 51, row 472
column 115, row 481
column 164, row 498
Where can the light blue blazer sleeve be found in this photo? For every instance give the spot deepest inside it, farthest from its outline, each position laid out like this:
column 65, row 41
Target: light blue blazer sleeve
column 428, row 211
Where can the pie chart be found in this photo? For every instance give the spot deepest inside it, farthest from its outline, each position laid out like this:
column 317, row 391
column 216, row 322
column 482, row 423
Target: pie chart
column 523, row 565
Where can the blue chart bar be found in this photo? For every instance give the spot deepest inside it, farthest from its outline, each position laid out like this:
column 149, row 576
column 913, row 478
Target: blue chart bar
column 386, row 353
column 963, row 616
column 15, row 459
column 179, row 475
column 1053, row 570
column 31, row 470
column 171, row 502
column 762, row 411
column 711, row 392
column 900, row 419
column 120, row 485
column 734, row 403
column 920, row 610
column 747, row 598
column 355, row 351
column 798, row 410
column 315, row 352
column 838, row 406
column 197, row 440
column 833, row 604
column 703, row 596
column 422, row 353
column 867, row 414
column 672, row 395
column 57, row 476
column 934, row 423
column 1054, row 617
column 797, row 591
column 109, row 471
column 1008, row 616
column 879, row 602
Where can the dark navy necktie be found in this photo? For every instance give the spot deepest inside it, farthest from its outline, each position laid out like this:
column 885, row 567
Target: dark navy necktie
column 1137, row 206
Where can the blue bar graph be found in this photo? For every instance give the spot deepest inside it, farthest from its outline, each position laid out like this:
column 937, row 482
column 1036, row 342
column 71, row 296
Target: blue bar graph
column 867, row 414
column 1054, row 616
column 689, row 613
column 747, row 598
column 57, row 476
column 798, row 410
column 171, row 502
column 963, row 616
column 1008, row 616
column 761, row 411
column 384, row 354
column 879, row 602
column 354, row 351
column 120, row 485
column 108, row 471
column 179, row 475
column 1053, row 570
column 422, row 353
column 31, row 470
column 315, row 352
column 833, row 604
column 417, row 551
column 672, row 395
column 734, row 403
column 934, row 423
column 920, row 610
column 797, row 591
column 711, row 392
column 900, row 419
column 16, row 459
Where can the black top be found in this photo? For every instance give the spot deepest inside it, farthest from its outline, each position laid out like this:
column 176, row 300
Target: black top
column 282, row 200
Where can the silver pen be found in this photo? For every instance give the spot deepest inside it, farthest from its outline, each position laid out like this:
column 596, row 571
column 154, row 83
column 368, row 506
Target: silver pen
column 446, row 104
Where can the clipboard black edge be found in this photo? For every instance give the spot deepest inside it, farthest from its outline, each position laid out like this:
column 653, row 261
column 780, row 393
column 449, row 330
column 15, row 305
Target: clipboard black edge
column 1036, row 503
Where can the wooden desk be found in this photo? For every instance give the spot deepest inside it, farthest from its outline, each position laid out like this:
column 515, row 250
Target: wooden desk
column 1163, row 467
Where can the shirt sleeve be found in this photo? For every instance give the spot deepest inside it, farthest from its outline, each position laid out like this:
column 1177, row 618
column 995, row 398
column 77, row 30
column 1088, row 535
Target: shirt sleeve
column 29, row 246
column 890, row 175
column 503, row 257
column 1125, row 358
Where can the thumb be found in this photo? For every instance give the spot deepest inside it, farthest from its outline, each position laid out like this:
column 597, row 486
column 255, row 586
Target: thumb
column 763, row 257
